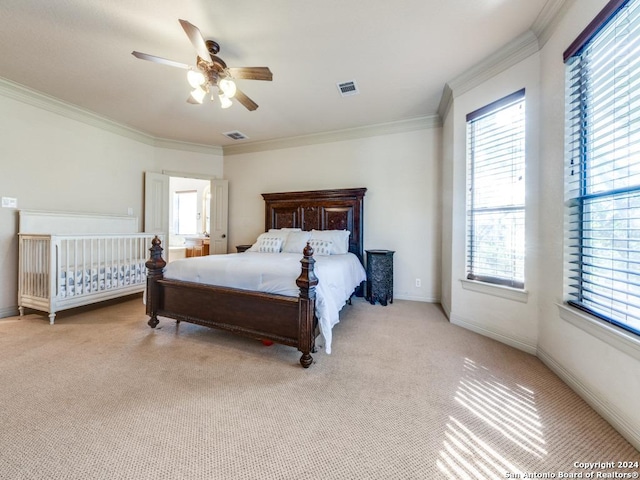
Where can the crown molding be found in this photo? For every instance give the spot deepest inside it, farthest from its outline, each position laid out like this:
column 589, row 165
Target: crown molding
column 446, row 101
column 37, row 99
column 418, row 123
column 46, row 102
column 514, row 52
column 548, row 19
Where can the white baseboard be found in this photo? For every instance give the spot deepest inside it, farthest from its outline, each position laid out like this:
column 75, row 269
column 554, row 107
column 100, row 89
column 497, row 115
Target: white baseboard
column 601, row 405
column 8, row 312
column 414, row 298
column 502, row 337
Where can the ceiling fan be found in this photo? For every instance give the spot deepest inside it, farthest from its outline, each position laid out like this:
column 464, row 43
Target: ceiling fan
column 211, row 74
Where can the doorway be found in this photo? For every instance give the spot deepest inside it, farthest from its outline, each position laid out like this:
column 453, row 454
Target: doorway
column 189, row 210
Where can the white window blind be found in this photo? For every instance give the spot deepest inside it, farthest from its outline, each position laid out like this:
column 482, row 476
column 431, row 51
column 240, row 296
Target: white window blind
column 603, row 166
column 496, row 192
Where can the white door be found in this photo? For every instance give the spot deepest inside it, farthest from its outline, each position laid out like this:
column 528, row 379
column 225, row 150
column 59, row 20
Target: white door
column 156, row 205
column 157, row 197
column 219, row 216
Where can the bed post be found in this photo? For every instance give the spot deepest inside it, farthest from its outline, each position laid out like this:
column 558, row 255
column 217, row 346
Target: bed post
column 307, row 282
column 155, row 268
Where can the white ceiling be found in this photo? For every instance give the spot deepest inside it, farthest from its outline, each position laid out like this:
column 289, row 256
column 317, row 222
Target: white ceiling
column 401, row 55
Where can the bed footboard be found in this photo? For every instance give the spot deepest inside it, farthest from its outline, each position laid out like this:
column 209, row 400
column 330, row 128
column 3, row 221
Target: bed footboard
column 285, row 320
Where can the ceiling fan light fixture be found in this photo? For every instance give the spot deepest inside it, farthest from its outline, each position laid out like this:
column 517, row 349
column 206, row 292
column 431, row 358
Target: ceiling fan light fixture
column 228, row 87
column 195, row 79
column 225, row 102
column 198, row 94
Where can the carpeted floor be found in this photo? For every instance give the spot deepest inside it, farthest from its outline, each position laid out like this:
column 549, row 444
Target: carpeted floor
column 404, row 395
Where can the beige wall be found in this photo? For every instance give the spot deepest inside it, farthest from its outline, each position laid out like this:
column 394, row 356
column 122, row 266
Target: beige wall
column 599, row 362
column 495, row 312
column 401, row 206
column 51, row 162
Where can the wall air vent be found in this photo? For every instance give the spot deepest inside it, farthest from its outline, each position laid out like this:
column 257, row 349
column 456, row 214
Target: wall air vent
column 235, row 135
column 348, row 88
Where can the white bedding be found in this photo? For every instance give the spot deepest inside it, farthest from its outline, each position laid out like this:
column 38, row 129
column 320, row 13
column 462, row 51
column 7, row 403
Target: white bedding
column 338, row 276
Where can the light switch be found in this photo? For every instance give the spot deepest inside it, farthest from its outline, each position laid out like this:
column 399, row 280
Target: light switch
column 9, row 202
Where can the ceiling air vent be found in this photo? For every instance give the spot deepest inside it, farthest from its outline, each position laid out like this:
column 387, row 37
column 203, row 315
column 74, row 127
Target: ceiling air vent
column 348, row 88
column 235, row 135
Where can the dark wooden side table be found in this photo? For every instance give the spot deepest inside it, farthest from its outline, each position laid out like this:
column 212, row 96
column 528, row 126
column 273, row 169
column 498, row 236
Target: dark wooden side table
column 242, row 248
column 380, row 276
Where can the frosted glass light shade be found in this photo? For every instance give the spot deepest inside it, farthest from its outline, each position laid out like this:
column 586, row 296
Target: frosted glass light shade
column 225, row 102
column 228, row 87
column 198, row 94
column 194, row 78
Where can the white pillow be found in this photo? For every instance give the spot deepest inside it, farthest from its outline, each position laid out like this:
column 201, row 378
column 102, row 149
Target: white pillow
column 285, row 230
column 270, row 245
column 340, row 239
column 321, row 247
column 276, row 234
column 296, row 241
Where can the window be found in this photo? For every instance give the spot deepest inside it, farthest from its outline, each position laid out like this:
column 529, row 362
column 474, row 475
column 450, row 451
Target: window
column 603, row 166
column 185, row 212
column 496, row 187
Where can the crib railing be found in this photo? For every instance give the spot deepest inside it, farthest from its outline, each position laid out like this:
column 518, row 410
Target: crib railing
column 35, row 266
column 61, row 271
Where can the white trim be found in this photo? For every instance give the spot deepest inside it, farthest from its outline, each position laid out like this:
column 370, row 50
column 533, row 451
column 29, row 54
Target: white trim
column 513, row 53
column 9, row 312
column 37, row 99
column 446, row 101
column 618, row 338
column 496, row 290
column 187, row 147
column 419, row 123
column 548, row 19
column 602, row 405
column 199, row 176
column 415, row 298
column 501, row 337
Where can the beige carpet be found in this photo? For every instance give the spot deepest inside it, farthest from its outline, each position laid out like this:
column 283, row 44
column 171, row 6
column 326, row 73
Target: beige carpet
column 404, row 395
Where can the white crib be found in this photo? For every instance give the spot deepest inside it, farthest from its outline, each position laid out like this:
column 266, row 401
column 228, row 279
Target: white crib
column 58, row 271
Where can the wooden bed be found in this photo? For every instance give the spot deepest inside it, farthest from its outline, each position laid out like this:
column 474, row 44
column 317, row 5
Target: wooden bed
column 281, row 319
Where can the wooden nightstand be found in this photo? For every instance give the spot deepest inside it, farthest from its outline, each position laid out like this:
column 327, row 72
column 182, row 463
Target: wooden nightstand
column 196, row 246
column 242, row 248
column 380, row 276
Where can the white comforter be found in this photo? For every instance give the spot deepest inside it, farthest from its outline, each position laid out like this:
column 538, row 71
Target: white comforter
column 338, row 276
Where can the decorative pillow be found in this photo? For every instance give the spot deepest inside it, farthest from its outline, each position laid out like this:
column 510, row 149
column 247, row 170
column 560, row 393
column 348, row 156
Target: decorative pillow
column 321, row 247
column 339, row 238
column 276, row 234
column 271, row 230
column 270, row 245
column 296, row 241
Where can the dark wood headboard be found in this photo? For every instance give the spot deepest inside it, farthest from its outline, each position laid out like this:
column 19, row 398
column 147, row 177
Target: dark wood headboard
column 320, row 210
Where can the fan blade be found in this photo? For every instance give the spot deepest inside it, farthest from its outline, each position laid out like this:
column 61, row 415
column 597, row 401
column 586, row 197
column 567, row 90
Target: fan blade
column 251, row 73
column 192, row 101
column 163, row 61
column 246, row 101
column 196, row 39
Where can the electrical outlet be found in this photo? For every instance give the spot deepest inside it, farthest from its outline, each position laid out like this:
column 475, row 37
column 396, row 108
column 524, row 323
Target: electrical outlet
column 130, row 211
column 418, row 282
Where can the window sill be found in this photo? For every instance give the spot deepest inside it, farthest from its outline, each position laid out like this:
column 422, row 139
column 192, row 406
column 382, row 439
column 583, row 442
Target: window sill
column 621, row 340
column 496, row 290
